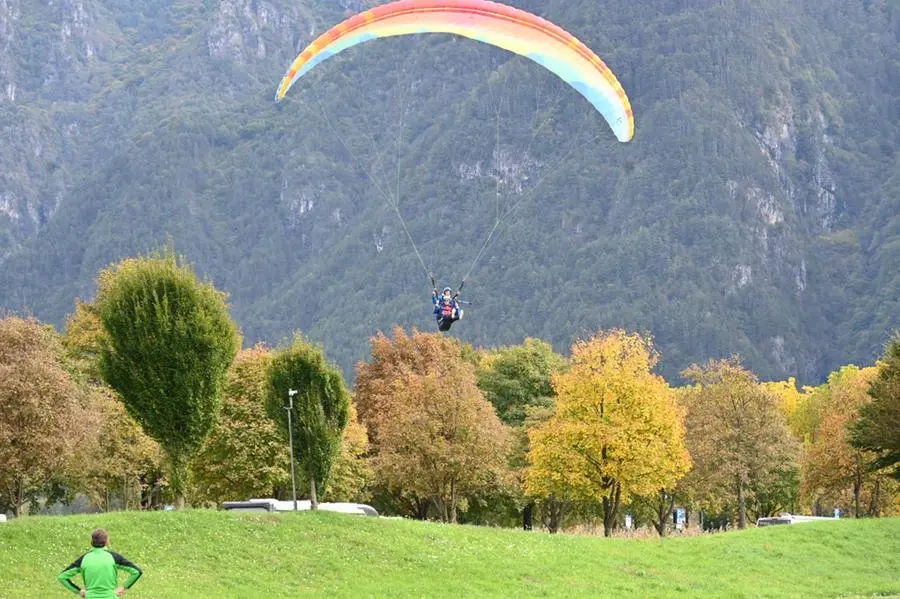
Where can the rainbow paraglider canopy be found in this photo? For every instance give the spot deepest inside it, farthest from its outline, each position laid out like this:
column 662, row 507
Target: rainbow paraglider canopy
column 496, row 24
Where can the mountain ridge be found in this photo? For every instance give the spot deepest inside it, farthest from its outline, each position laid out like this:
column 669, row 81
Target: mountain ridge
column 755, row 212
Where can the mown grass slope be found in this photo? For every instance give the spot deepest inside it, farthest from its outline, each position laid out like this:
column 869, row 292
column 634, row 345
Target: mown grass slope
column 217, row 554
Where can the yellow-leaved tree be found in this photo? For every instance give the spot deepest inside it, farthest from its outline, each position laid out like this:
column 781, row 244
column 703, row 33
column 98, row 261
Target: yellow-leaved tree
column 617, row 430
column 791, row 397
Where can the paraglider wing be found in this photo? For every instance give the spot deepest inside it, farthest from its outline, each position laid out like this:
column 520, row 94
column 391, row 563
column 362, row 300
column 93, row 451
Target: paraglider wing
column 509, row 28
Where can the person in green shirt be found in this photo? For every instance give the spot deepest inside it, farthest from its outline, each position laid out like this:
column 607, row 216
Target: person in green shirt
column 99, row 569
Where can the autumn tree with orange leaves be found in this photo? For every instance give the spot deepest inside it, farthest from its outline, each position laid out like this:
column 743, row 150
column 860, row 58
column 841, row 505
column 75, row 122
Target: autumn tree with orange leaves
column 435, row 439
column 836, row 474
column 42, row 420
column 616, row 432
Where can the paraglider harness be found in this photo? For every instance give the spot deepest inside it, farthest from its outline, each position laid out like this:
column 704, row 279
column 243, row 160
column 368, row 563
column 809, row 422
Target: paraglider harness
column 446, row 312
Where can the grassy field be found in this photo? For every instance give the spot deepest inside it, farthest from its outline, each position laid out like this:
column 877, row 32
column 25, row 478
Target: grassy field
column 218, row 554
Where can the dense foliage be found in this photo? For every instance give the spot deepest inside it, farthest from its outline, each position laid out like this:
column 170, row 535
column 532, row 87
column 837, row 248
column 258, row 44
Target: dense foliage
column 167, row 344
column 437, row 441
column 599, row 438
column 737, row 434
column 319, row 405
column 244, row 455
column 878, row 427
column 42, row 417
column 616, row 431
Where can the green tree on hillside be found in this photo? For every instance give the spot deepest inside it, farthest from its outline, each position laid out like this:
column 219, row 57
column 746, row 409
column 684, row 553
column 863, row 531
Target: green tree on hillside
column 351, row 475
column 517, row 377
column 166, row 350
column 121, row 459
column 878, row 427
column 321, row 408
column 518, row 381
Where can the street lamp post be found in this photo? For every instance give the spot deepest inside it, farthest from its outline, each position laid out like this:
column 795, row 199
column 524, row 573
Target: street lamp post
column 290, row 408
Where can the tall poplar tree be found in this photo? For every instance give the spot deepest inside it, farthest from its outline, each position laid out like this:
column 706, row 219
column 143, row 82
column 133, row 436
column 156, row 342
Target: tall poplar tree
column 169, row 342
column 321, row 408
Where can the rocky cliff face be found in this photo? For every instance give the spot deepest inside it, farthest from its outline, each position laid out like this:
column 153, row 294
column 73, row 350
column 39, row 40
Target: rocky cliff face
column 247, row 30
column 10, row 13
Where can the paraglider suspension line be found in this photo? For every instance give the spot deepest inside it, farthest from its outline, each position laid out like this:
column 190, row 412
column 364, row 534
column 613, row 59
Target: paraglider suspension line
column 387, row 195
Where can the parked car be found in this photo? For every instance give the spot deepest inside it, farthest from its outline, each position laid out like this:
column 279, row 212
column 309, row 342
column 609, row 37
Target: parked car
column 274, row 505
column 789, row 519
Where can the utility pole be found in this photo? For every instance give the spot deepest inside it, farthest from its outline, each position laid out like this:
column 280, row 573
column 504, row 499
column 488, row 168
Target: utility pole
column 290, row 408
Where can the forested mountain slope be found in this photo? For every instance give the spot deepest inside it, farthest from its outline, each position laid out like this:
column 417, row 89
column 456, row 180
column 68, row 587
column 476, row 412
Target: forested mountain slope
column 757, row 209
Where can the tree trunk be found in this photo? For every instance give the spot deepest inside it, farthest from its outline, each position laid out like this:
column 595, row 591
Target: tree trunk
column 875, row 510
column 611, row 510
column 422, row 509
column 453, row 502
column 554, row 515
column 313, row 499
column 441, row 507
column 857, row 488
column 19, row 497
column 528, row 516
column 664, row 507
column 742, row 504
column 179, row 470
column 661, row 517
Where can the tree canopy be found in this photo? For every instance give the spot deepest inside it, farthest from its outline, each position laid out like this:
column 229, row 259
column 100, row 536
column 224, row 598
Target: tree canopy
column 42, row 416
column 321, row 408
column 168, row 343
column 616, row 431
column 737, row 433
column 878, row 427
column 244, row 455
column 439, row 441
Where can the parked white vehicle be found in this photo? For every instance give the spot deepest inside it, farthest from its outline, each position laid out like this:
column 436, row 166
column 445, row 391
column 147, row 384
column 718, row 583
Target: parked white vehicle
column 273, row 505
column 789, row 519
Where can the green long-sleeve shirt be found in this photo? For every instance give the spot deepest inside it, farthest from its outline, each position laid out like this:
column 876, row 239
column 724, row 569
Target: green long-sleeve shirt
column 99, row 569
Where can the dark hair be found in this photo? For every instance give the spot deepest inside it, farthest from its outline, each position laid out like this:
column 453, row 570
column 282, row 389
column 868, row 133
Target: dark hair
column 99, row 538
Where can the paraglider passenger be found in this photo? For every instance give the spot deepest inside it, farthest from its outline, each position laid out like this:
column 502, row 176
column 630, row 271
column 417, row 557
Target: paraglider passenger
column 446, row 309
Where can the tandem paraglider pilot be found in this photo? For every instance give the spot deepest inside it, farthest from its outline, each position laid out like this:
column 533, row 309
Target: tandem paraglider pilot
column 446, row 309
column 99, row 569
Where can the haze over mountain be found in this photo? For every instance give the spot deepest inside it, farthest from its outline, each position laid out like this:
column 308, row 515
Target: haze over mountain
column 756, row 211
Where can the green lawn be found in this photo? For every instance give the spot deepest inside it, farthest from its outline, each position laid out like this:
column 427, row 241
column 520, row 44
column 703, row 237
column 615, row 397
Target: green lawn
column 219, row 554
